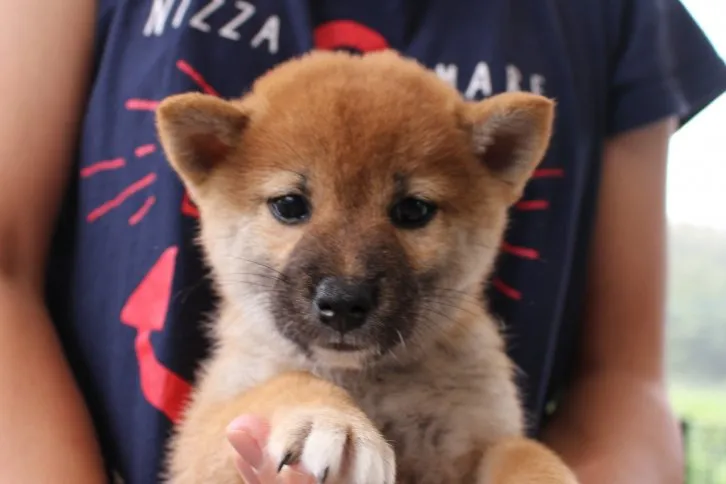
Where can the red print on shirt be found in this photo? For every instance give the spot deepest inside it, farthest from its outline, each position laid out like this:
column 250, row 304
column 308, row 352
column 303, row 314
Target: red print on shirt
column 347, row 33
column 146, row 311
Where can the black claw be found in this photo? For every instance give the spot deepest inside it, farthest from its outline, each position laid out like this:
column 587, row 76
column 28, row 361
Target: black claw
column 285, row 461
column 324, row 477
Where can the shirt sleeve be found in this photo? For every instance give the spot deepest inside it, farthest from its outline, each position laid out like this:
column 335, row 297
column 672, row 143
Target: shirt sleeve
column 662, row 65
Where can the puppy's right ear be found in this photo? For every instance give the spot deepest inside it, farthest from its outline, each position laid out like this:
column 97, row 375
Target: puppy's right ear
column 510, row 133
column 198, row 132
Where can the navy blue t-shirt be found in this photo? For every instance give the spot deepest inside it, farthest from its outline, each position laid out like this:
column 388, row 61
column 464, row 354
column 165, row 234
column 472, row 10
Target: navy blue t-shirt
column 127, row 288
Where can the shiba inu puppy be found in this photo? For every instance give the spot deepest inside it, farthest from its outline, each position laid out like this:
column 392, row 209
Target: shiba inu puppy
column 351, row 208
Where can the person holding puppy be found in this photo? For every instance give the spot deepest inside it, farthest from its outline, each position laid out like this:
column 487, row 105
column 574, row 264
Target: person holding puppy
column 103, row 289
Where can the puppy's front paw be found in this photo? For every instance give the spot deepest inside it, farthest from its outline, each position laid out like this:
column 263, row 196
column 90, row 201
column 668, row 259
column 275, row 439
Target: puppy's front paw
column 523, row 461
column 334, row 445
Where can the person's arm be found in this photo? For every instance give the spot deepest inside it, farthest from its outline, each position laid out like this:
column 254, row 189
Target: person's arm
column 615, row 426
column 46, row 48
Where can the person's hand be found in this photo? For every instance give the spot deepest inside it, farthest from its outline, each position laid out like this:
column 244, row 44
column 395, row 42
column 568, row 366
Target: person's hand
column 248, row 435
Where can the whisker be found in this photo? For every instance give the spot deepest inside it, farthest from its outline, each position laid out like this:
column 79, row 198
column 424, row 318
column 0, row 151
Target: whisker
column 431, row 326
column 260, row 275
column 442, row 314
column 400, row 337
column 448, row 305
column 265, row 266
column 459, row 295
column 272, row 289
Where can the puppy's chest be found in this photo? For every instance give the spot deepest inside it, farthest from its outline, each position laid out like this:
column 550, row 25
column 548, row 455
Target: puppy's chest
column 429, row 424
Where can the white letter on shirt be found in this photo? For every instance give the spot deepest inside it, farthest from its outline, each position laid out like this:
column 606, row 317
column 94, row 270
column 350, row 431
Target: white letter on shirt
column 270, row 32
column 514, row 79
column 448, row 73
column 481, row 80
column 156, row 22
column 229, row 31
column 537, row 83
column 198, row 20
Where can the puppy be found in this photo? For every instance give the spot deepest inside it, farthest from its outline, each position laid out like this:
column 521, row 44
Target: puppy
column 351, row 208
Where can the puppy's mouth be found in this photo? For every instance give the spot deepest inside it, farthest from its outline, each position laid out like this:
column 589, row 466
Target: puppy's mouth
column 342, row 346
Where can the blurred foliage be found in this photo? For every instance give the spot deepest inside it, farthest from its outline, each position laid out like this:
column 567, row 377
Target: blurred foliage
column 697, row 347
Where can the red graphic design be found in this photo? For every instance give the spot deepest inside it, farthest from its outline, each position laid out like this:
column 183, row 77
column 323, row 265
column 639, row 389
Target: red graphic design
column 523, row 252
column 144, row 150
column 532, row 205
column 188, row 208
column 100, row 166
column 141, row 213
column 141, row 105
column 146, row 310
column 147, row 307
column 549, row 173
column 508, row 291
column 196, row 77
column 115, row 202
column 346, row 33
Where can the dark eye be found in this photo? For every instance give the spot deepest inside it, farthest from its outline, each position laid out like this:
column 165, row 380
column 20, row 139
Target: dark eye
column 412, row 213
column 290, row 209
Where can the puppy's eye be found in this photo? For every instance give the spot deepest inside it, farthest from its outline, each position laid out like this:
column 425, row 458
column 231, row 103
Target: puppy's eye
column 412, row 213
column 290, row 209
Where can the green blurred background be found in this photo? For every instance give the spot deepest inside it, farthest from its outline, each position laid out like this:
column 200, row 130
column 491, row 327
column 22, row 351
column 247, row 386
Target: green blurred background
column 697, row 280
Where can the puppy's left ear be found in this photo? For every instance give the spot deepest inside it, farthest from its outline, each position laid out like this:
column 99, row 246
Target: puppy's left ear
column 510, row 133
column 198, row 133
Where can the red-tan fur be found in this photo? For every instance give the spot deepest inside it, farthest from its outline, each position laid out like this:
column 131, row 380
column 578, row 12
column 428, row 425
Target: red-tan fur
column 441, row 406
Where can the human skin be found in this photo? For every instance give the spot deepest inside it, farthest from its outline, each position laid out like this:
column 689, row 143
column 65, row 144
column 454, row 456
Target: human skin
column 616, row 425
column 47, row 432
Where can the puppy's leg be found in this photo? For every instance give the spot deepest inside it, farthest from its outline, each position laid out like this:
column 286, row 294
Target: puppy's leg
column 523, row 461
column 313, row 422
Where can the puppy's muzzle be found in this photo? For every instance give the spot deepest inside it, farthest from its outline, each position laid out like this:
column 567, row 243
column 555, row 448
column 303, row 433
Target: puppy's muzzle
column 344, row 304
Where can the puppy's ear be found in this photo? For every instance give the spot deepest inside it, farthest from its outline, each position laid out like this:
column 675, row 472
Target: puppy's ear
column 199, row 132
column 510, row 133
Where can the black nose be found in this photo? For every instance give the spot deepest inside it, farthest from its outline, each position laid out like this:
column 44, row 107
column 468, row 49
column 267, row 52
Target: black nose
column 344, row 304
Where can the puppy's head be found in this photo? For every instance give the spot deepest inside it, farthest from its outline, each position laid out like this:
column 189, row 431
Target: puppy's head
column 350, row 201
